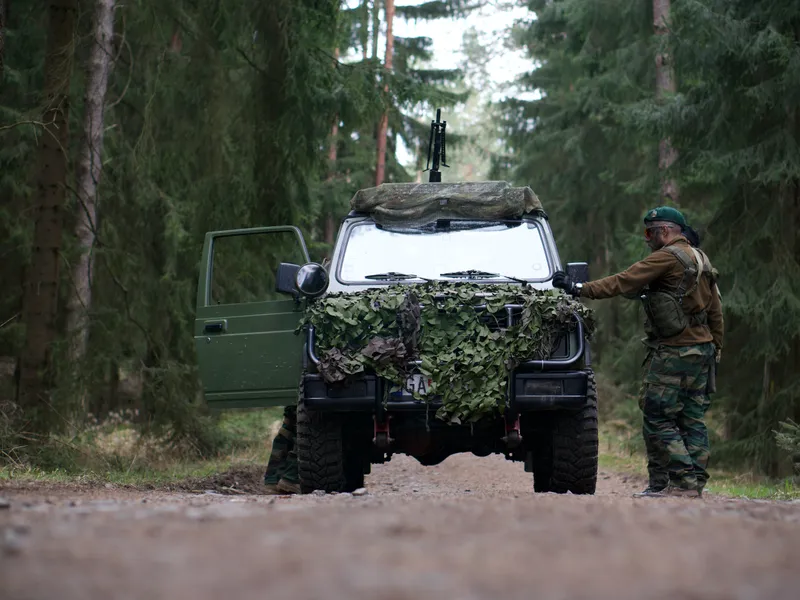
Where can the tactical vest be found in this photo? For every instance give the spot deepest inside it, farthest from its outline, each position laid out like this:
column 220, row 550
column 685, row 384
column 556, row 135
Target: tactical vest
column 666, row 316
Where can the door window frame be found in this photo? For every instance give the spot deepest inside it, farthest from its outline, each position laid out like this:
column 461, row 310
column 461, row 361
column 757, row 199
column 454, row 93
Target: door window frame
column 207, row 260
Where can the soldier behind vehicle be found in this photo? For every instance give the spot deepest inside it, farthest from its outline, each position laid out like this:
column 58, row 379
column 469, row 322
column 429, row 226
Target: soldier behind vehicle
column 677, row 286
column 282, row 476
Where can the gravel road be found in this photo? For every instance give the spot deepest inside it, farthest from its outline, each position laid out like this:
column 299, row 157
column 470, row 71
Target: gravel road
column 468, row 528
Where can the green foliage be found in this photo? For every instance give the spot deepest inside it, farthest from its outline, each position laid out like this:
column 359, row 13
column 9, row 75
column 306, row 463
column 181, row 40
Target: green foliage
column 788, row 439
column 461, row 349
column 571, row 144
column 218, row 116
column 587, row 144
column 19, row 89
column 737, row 121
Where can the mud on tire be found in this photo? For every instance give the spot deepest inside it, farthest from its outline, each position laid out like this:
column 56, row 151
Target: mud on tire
column 567, row 461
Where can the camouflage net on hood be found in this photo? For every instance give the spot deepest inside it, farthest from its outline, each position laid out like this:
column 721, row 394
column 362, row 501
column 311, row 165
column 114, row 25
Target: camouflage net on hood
column 467, row 359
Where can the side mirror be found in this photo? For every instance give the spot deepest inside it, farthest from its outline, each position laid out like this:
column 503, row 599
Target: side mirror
column 578, row 272
column 286, row 277
column 312, row 280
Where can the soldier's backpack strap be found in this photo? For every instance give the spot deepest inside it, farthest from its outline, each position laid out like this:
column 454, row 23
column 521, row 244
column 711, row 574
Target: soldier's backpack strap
column 710, row 271
column 703, row 265
column 691, row 272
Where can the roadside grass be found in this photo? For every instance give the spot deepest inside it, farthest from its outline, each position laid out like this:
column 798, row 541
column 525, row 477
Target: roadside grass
column 114, row 451
column 622, row 454
column 622, row 450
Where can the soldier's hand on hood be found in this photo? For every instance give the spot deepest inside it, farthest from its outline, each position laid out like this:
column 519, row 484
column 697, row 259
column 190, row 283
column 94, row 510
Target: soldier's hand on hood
column 563, row 281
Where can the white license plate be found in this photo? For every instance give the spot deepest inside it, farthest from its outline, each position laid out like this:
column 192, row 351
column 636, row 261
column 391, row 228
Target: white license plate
column 417, row 383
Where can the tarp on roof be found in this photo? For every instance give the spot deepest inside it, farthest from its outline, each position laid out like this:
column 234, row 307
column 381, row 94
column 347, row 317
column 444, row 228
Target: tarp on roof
column 395, row 203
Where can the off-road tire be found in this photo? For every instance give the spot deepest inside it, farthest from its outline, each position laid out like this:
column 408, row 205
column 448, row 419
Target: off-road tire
column 566, row 461
column 320, row 451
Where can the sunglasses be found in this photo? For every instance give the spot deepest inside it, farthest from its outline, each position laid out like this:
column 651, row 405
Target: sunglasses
column 648, row 231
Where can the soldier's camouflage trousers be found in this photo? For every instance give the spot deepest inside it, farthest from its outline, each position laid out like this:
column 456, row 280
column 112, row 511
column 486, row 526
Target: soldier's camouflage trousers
column 283, row 458
column 674, row 402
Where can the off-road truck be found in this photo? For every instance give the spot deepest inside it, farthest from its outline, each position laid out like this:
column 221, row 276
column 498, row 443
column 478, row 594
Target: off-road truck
column 256, row 283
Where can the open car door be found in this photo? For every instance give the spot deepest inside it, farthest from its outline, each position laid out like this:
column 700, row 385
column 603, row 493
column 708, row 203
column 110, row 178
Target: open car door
column 248, row 352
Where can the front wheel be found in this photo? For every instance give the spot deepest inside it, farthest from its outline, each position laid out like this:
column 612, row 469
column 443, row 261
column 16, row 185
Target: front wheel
column 327, row 458
column 565, row 459
column 320, row 452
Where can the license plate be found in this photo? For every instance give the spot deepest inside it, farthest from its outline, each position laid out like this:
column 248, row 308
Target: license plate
column 416, row 383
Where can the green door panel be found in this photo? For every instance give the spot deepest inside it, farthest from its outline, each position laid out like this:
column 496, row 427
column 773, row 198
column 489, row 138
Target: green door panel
column 256, row 360
column 247, row 350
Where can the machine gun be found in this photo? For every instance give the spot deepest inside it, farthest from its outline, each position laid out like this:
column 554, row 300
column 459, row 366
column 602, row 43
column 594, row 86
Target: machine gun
column 437, row 148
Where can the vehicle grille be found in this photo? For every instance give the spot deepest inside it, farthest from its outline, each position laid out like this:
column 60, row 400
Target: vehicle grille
column 510, row 315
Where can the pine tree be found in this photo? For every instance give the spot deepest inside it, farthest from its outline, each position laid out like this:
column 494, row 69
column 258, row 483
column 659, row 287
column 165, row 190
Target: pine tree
column 665, row 84
column 383, row 127
column 419, row 89
column 575, row 147
column 88, row 176
column 217, row 115
column 25, row 41
column 737, row 122
column 3, row 9
column 588, row 146
column 40, row 300
column 413, row 92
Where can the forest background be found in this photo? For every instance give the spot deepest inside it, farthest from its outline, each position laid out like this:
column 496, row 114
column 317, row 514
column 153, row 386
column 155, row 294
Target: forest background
column 129, row 129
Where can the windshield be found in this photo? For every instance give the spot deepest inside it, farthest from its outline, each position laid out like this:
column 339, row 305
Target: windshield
column 513, row 250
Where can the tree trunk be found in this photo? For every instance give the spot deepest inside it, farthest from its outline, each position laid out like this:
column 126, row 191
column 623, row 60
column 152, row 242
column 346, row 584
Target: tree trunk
column 383, row 129
column 89, row 171
column 665, row 84
column 3, row 13
column 40, row 290
column 376, row 26
column 273, row 209
column 330, row 221
column 364, row 37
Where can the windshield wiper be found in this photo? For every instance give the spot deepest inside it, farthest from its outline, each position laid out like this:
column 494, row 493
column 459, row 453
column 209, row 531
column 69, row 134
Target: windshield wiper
column 392, row 276
column 473, row 274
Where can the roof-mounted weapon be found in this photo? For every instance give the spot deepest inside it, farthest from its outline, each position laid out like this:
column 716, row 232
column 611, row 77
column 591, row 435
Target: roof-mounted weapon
column 437, row 148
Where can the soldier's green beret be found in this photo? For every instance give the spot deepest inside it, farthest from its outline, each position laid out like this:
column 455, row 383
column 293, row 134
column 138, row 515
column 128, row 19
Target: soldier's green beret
column 666, row 213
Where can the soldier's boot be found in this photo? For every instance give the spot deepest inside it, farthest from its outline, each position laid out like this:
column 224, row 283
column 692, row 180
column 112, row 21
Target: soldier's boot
column 270, row 485
column 278, row 460
column 282, row 445
column 289, row 482
column 271, row 479
column 652, row 492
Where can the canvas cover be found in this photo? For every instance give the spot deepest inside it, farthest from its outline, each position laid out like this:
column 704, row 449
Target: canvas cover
column 395, row 203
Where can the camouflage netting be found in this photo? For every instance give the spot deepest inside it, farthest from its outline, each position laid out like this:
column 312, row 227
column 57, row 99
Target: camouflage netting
column 410, row 203
column 466, row 357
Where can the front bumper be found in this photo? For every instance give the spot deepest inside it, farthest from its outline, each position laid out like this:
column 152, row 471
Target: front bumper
column 554, row 390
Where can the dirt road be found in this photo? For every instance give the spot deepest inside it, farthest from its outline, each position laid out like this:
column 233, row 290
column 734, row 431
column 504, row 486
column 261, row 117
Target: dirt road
column 469, row 528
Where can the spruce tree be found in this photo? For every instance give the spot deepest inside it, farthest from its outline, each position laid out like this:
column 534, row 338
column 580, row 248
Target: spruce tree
column 41, row 284
column 737, row 122
column 574, row 146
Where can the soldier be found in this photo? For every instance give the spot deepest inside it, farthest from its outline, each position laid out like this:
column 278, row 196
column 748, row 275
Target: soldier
column 281, row 476
column 677, row 285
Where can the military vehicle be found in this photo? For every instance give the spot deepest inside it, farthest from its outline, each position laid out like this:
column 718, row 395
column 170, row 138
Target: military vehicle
column 254, row 287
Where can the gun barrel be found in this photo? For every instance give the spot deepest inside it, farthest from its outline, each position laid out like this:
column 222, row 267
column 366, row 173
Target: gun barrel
column 436, row 148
